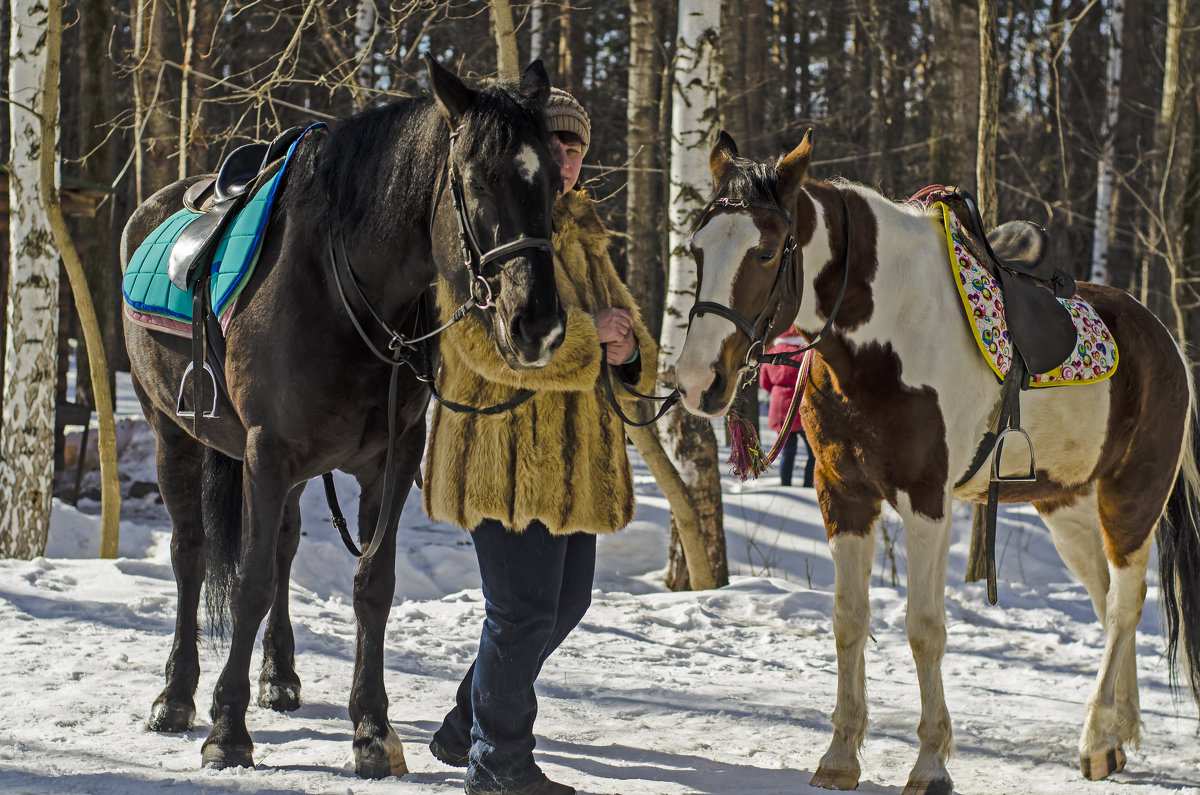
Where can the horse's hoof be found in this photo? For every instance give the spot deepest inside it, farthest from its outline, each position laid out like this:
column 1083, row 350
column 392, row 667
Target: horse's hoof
column 941, row 786
column 281, row 698
column 171, row 718
column 219, row 757
column 1102, row 765
column 828, row 778
column 380, row 760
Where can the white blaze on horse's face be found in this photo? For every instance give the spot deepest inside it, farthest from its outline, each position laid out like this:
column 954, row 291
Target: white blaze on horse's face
column 721, row 246
column 528, row 163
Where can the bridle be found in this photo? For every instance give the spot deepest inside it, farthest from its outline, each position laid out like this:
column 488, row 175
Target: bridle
column 410, row 350
column 783, row 292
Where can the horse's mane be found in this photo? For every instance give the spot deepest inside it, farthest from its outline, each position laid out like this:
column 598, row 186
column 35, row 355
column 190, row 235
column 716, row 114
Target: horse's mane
column 391, row 156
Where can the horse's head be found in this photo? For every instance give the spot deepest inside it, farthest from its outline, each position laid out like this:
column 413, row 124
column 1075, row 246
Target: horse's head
column 492, row 231
column 748, row 271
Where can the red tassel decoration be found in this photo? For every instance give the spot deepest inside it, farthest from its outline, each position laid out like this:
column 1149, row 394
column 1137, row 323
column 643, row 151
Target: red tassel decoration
column 746, row 458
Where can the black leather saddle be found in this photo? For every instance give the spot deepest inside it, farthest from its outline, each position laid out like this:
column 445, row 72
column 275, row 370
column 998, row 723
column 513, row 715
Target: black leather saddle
column 218, row 198
column 1039, row 327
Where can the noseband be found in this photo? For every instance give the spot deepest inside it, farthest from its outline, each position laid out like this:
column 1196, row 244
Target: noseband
column 783, row 291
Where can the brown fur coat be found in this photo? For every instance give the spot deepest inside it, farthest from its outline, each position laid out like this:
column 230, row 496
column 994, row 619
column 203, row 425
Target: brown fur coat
column 559, row 457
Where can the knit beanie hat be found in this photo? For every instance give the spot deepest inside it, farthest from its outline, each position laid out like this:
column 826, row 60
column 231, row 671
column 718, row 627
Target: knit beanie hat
column 565, row 114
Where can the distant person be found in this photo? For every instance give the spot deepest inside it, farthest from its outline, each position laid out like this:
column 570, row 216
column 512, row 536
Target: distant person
column 780, row 381
column 535, row 484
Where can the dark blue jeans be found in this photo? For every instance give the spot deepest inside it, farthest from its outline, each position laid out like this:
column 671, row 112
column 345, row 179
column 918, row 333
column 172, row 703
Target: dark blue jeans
column 787, row 459
column 536, row 589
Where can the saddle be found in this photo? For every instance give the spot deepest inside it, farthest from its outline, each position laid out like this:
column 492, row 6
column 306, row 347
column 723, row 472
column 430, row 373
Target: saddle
column 218, row 198
column 1043, row 336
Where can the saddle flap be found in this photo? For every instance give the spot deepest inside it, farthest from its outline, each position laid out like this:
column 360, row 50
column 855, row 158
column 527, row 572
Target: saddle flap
column 1039, row 326
column 196, row 242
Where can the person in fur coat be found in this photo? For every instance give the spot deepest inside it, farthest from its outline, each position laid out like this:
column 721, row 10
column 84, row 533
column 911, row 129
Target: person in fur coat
column 535, row 484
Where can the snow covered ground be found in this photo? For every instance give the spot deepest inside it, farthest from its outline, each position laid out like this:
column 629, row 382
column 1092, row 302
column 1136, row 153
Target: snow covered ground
column 656, row 693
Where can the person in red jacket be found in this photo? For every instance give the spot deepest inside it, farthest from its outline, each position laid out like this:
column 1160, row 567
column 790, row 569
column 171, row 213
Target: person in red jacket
column 780, row 381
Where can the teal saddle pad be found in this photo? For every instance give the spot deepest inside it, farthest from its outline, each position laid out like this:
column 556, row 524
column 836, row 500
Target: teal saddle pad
column 148, row 289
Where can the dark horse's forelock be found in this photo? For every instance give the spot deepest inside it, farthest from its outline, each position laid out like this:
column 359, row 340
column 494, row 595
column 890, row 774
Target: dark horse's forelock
column 499, row 116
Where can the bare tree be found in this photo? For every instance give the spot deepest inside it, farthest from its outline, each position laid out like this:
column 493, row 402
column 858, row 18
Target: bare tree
column 954, row 95
column 1106, row 176
column 989, row 112
column 691, row 439
column 506, row 38
column 27, row 421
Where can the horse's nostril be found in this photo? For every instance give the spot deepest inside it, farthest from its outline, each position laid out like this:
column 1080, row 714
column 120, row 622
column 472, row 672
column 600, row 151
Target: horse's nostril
column 717, row 387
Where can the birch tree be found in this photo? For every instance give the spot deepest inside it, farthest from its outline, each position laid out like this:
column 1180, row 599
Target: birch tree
column 27, row 420
column 690, row 439
column 1105, row 175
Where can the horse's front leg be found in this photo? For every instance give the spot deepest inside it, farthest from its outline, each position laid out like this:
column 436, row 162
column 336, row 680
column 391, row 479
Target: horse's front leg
column 927, row 542
column 278, row 682
column 850, row 524
column 377, row 749
column 178, row 461
column 264, row 492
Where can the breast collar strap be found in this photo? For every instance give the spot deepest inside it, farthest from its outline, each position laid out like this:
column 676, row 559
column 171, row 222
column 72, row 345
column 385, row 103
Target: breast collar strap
column 783, row 291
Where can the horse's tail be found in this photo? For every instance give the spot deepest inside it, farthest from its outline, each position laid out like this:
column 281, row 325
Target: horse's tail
column 1179, row 561
column 221, row 496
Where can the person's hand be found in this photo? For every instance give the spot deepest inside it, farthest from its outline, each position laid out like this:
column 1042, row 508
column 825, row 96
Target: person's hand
column 615, row 327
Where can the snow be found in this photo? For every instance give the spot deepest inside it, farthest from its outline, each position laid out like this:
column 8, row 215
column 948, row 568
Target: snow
column 656, row 693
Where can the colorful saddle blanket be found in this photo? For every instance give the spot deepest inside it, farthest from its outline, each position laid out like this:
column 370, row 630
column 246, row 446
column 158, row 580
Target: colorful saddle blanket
column 1095, row 356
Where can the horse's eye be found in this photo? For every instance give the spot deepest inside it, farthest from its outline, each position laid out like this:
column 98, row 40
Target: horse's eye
column 478, row 188
column 765, row 256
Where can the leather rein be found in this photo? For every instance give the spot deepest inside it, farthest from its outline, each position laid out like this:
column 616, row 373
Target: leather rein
column 405, row 350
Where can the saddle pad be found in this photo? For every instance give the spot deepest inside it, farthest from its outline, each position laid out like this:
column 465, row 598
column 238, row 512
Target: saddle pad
column 1095, row 355
column 151, row 300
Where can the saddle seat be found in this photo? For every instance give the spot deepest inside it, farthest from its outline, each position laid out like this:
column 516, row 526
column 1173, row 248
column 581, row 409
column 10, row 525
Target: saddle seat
column 1039, row 326
column 217, row 198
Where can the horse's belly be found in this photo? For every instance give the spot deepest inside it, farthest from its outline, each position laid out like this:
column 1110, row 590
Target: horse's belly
column 1067, row 427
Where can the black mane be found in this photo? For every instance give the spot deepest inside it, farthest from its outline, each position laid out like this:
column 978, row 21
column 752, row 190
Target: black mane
column 392, row 156
column 752, row 181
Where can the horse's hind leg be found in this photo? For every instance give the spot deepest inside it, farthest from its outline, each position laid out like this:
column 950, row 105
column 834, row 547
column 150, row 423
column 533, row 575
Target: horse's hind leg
column 1118, row 590
column 278, row 683
column 178, row 460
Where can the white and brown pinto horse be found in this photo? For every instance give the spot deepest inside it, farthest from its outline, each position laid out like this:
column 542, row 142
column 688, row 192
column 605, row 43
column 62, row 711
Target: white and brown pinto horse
column 899, row 398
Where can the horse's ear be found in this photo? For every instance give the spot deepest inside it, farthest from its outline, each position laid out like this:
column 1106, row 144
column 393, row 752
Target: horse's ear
column 452, row 96
column 535, row 83
column 722, row 155
column 792, row 167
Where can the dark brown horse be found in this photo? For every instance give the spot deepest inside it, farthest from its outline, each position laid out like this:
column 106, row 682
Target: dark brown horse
column 308, row 373
column 899, row 399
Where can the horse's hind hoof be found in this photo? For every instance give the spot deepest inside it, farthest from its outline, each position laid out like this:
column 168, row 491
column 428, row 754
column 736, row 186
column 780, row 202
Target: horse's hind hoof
column 171, row 718
column 380, row 760
column 281, row 698
column 942, row 786
column 828, row 778
column 219, row 757
column 1102, row 765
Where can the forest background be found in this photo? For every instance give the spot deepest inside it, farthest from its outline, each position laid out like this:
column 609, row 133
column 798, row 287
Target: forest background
column 1080, row 115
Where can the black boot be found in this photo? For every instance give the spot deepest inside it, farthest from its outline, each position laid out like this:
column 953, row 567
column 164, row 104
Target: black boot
column 542, row 786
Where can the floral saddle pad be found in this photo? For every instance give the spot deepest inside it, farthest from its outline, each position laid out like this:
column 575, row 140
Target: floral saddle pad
column 1095, row 355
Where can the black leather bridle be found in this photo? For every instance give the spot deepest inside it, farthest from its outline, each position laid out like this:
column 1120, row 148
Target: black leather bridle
column 783, row 291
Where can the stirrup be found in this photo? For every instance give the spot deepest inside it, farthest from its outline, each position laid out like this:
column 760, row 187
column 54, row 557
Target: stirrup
column 999, row 449
column 211, row 414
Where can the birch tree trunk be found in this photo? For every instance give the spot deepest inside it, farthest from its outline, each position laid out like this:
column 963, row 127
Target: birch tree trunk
column 364, row 40
column 27, row 421
column 506, row 38
column 690, row 439
column 537, row 30
column 1106, row 176
column 989, row 113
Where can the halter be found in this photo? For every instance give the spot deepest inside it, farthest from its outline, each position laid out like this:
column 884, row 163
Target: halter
column 474, row 258
column 783, row 290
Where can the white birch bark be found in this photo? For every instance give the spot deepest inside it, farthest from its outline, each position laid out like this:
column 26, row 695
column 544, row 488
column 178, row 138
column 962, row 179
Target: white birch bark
column 364, row 38
column 537, row 29
column 693, row 115
column 1105, row 176
column 27, row 420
